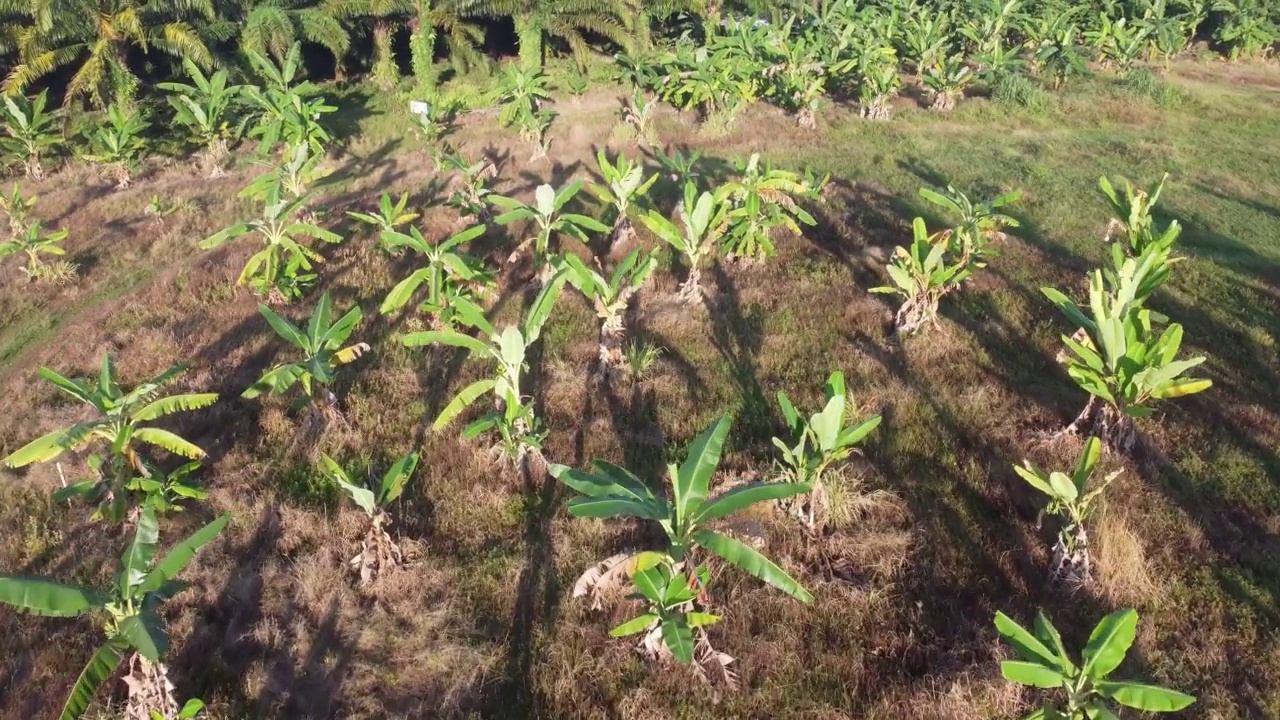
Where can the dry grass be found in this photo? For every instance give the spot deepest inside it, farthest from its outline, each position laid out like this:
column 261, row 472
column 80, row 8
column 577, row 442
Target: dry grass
column 932, row 531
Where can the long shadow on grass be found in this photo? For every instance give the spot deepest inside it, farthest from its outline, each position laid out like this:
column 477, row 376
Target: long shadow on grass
column 972, row 555
column 738, row 335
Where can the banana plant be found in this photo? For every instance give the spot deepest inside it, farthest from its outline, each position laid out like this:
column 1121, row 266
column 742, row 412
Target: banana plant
column 637, row 111
column 292, row 177
column 759, row 202
column 668, row 620
column 1060, row 55
column 449, row 274
column 611, row 298
column 1115, row 43
column 281, row 270
column 613, row 491
column 134, row 626
column 30, row 132
column 879, row 82
column 1073, row 500
column 521, row 93
column 703, row 221
column 1121, row 362
column 35, row 242
column 819, row 441
column 947, row 79
column 922, row 274
column 624, row 186
column 389, row 215
column 513, row 413
column 1247, row 29
column 287, row 110
column 1081, row 689
column 164, row 492
column 206, row 109
column 379, row 553
column 681, row 166
column 323, row 349
column 17, row 208
column 1132, row 218
column 976, row 224
column 550, row 220
column 471, row 197
column 120, row 424
column 119, row 144
column 926, row 38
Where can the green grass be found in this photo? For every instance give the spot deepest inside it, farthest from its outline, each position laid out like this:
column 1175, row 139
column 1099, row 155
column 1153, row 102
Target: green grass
column 483, row 623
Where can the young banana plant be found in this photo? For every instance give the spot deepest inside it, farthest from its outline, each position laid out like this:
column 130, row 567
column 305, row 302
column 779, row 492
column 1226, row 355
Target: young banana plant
column 119, row 423
column 947, row 79
column 880, row 82
column 703, row 221
column 287, row 110
column 281, row 270
column 449, row 274
column 119, row 144
column 134, row 626
column 818, row 442
column 611, row 298
column 759, row 202
column 1132, row 218
column 471, row 196
column 638, row 113
column 30, row 132
column 1072, row 499
column 685, row 516
column 550, row 221
column 1081, row 691
column 34, row 242
column 379, row 552
column 164, row 492
column 976, row 225
column 922, row 274
column 669, row 620
column 521, row 92
column 322, row 345
column 389, row 216
column 1121, row 361
column 513, row 413
column 206, row 108
column 17, row 208
column 290, row 178
column 624, row 186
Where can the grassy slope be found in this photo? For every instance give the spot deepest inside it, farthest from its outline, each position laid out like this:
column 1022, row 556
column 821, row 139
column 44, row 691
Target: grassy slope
column 938, row 532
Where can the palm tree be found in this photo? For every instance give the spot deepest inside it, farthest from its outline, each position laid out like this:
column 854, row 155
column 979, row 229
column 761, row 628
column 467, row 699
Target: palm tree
column 98, row 35
column 565, row 19
column 270, row 27
column 424, row 21
column 638, row 16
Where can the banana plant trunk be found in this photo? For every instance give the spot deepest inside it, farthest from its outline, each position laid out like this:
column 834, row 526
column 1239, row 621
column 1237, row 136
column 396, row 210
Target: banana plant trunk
column 529, row 37
column 385, row 72
column 1072, row 565
column 150, row 691
column 1105, row 421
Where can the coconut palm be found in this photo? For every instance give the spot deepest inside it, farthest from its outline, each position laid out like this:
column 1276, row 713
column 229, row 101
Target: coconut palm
column 563, row 19
column 96, row 37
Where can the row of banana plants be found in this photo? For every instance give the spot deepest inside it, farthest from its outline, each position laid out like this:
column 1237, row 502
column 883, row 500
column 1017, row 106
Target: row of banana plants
column 738, row 218
column 862, row 50
column 211, row 112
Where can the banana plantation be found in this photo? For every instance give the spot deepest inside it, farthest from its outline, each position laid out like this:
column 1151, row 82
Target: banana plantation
column 555, row 359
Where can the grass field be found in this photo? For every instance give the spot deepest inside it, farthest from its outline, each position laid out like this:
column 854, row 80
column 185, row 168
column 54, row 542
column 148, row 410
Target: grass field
column 935, row 533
